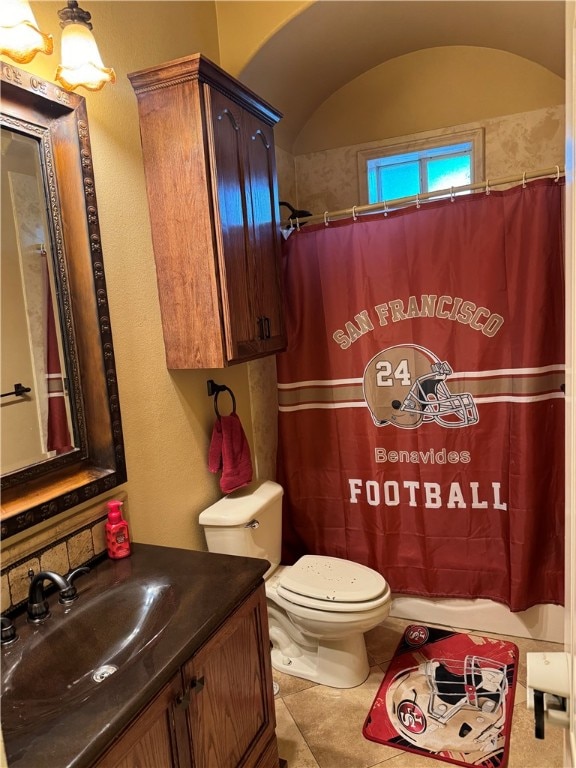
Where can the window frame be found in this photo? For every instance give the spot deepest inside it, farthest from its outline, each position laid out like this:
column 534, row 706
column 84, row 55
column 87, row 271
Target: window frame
column 432, row 141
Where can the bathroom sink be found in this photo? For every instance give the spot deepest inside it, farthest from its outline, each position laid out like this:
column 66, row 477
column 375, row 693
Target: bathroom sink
column 74, row 652
column 74, row 683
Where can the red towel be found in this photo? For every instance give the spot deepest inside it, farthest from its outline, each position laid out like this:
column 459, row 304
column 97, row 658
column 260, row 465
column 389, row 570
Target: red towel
column 230, row 452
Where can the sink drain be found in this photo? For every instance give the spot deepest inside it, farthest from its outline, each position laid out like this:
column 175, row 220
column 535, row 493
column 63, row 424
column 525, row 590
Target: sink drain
column 103, row 672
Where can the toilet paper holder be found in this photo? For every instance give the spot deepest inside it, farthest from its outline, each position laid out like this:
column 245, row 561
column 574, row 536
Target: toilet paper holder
column 548, row 694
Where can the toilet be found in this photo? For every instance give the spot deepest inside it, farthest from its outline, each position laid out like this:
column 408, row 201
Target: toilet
column 318, row 608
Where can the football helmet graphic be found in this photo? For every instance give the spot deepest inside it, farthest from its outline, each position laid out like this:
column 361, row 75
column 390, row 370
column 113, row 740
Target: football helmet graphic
column 406, row 386
column 456, row 706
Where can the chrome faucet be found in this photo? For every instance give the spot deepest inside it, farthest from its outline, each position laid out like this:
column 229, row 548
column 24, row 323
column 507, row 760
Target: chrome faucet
column 37, row 607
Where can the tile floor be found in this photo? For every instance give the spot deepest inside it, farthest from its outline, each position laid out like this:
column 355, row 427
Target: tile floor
column 320, row 727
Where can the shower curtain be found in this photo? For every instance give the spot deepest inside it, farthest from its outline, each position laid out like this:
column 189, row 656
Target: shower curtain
column 421, row 414
column 57, row 432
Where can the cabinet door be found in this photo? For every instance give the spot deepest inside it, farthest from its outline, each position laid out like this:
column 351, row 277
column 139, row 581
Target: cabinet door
column 264, row 233
column 231, row 714
column 247, row 229
column 150, row 741
column 231, row 227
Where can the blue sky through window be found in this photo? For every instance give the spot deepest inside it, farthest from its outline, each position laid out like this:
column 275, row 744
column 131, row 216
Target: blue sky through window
column 412, row 173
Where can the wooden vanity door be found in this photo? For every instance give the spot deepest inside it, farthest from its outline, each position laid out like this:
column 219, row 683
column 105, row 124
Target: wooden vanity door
column 152, row 739
column 231, row 713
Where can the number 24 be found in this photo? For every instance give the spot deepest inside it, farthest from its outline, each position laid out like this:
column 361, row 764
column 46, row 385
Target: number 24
column 385, row 374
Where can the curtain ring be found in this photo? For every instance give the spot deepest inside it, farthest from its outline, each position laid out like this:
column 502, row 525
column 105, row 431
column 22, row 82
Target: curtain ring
column 326, row 219
column 451, row 194
column 557, row 173
column 487, row 186
column 524, row 180
column 354, row 216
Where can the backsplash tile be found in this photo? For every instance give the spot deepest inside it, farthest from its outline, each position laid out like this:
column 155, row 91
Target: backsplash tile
column 80, row 548
column 5, row 601
column 98, row 538
column 55, row 559
column 20, row 581
column 70, row 543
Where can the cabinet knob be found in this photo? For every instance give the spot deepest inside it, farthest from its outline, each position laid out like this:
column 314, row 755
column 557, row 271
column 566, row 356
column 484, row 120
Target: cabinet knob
column 194, row 686
column 183, row 700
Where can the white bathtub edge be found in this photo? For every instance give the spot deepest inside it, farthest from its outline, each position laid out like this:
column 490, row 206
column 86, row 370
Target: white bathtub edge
column 541, row 622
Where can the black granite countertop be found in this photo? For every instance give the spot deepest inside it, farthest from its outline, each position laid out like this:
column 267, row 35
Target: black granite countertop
column 191, row 594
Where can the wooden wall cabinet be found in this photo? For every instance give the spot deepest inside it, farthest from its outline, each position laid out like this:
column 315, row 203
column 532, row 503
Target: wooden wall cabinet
column 217, row 711
column 210, row 167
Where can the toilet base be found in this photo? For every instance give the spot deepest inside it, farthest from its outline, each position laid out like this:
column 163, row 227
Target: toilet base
column 339, row 663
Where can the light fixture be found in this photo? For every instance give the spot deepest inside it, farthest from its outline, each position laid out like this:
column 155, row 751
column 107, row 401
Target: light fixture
column 81, row 64
column 20, row 38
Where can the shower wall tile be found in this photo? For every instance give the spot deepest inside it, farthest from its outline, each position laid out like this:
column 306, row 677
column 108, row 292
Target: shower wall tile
column 262, row 385
column 329, row 180
column 525, row 142
column 286, row 172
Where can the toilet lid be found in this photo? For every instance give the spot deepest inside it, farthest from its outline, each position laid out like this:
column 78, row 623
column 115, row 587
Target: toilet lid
column 333, row 584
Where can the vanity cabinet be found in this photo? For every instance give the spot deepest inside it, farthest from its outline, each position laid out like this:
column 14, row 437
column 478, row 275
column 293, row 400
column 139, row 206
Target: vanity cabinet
column 217, row 711
column 150, row 741
column 208, row 151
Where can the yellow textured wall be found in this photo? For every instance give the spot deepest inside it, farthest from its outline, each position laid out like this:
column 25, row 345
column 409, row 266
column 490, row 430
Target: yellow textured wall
column 167, row 417
column 428, row 89
column 243, row 27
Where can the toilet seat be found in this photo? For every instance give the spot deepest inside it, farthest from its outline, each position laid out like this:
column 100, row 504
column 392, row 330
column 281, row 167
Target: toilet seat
column 332, row 584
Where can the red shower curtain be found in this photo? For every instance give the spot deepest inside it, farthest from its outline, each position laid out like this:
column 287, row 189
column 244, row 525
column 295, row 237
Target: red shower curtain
column 421, row 424
column 58, row 434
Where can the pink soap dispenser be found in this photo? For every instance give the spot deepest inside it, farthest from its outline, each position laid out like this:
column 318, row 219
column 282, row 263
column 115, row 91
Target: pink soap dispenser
column 117, row 535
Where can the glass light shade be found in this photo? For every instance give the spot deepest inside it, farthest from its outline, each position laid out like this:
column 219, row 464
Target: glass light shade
column 20, row 38
column 81, row 64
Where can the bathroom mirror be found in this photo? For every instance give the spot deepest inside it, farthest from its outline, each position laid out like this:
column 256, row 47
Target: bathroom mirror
column 60, row 422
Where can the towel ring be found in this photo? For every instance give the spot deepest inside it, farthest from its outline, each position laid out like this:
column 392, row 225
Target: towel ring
column 224, row 389
column 215, row 389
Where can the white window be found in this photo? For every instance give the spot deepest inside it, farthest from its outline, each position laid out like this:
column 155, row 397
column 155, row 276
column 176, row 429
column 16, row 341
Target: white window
column 416, row 167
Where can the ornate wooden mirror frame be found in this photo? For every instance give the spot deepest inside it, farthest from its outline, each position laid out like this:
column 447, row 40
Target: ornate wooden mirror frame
column 58, row 120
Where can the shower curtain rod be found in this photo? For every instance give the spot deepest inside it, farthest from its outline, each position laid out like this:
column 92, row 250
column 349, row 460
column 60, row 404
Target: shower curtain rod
column 384, row 206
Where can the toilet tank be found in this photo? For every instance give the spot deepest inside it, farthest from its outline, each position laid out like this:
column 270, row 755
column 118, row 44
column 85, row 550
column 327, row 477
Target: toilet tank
column 247, row 522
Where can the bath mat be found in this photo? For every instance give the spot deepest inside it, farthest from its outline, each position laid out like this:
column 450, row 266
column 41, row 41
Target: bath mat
column 448, row 696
